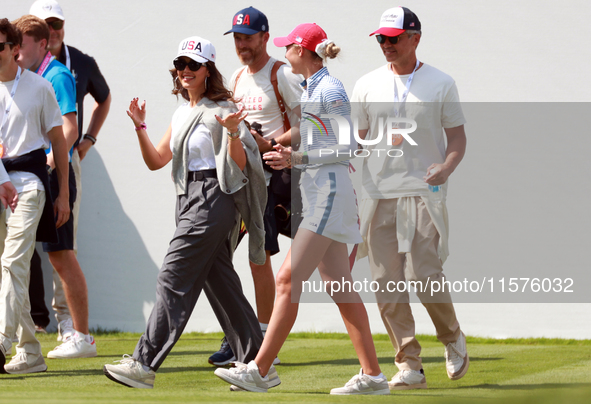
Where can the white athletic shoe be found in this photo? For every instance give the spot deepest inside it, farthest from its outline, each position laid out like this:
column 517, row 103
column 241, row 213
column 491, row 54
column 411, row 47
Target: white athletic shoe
column 130, row 373
column 65, row 329
column 363, row 385
column 408, row 380
column 273, row 380
column 75, row 346
column 246, row 377
column 24, row 363
column 456, row 358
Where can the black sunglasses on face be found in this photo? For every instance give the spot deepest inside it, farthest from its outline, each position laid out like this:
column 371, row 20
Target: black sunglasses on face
column 392, row 39
column 180, row 64
column 56, row 25
column 3, row 44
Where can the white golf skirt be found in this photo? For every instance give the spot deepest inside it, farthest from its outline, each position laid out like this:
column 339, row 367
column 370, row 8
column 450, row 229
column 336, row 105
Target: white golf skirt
column 330, row 204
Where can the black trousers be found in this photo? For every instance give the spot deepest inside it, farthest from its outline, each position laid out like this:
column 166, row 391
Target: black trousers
column 198, row 259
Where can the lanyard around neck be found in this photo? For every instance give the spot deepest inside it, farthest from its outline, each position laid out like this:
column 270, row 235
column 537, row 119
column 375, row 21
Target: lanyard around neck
column 12, row 93
column 406, row 90
column 67, row 57
column 45, row 64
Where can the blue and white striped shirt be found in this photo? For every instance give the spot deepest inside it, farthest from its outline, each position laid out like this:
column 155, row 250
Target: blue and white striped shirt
column 323, row 94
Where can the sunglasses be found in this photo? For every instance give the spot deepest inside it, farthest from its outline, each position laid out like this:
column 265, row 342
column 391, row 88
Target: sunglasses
column 180, row 64
column 392, row 39
column 56, row 25
column 3, row 44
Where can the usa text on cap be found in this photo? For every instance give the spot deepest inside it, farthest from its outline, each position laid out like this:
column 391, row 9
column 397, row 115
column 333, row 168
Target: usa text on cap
column 198, row 49
column 249, row 21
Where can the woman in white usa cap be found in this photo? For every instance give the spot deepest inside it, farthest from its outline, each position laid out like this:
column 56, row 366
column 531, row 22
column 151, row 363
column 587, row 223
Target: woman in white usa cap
column 219, row 181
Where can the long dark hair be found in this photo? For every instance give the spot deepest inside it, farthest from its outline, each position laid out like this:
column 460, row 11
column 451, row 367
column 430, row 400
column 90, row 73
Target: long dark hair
column 215, row 89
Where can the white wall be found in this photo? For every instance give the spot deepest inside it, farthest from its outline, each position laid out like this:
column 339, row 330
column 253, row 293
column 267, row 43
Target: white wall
column 530, row 51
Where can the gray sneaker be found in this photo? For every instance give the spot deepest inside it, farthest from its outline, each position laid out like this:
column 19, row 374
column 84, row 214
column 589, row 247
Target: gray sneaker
column 456, row 358
column 246, row 377
column 273, row 380
column 130, row 373
column 363, row 385
column 22, row 363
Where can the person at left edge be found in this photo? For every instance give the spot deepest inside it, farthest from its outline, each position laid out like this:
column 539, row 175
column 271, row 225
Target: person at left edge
column 219, row 181
column 32, row 121
column 35, row 57
column 89, row 80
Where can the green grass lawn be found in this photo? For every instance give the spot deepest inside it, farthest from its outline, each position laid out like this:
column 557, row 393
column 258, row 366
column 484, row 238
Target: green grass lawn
column 507, row 371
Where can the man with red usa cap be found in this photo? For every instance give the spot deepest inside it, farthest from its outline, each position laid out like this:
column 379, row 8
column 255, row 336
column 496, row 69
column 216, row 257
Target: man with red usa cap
column 270, row 93
column 404, row 221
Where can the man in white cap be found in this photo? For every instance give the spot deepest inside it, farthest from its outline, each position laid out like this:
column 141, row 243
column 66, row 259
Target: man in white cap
column 270, row 93
column 403, row 213
column 35, row 57
column 88, row 80
column 31, row 120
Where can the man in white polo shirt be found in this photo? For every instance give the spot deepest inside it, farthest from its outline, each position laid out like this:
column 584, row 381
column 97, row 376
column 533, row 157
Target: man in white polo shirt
column 31, row 119
column 403, row 213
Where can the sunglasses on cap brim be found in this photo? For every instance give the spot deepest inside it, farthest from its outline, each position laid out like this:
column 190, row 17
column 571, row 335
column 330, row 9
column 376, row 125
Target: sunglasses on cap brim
column 180, row 64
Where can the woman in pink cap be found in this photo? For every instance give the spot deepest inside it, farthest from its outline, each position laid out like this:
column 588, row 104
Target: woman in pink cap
column 329, row 219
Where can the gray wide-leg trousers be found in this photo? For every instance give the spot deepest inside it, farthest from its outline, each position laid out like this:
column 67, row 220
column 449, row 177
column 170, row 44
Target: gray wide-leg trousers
column 199, row 258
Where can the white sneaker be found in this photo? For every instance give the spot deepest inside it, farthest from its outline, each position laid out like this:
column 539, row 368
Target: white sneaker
column 65, row 329
column 246, row 377
column 74, row 346
column 456, row 358
column 273, row 380
column 363, row 385
column 408, row 380
column 24, row 363
column 130, row 373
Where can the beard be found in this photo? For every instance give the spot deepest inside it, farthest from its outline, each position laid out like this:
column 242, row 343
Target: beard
column 247, row 56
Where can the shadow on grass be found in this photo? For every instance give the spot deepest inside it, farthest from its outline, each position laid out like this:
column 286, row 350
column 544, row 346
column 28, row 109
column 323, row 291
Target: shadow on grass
column 56, row 373
column 192, row 353
column 187, row 369
column 526, row 386
column 381, row 361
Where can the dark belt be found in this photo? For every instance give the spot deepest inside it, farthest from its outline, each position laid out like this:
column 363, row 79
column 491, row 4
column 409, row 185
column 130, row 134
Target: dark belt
column 200, row 175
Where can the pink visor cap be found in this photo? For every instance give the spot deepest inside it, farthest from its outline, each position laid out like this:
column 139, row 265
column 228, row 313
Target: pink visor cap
column 306, row 35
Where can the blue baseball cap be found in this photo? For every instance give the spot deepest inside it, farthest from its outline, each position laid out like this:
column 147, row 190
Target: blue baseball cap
column 249, row 21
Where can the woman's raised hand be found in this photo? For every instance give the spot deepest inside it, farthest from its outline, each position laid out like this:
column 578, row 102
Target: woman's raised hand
column 231, row 121
column 136, row 112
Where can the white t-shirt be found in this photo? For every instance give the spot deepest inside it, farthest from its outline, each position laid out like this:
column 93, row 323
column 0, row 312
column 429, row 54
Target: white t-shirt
column 433, row 103
column 201, row 155
column 258, row 96
column 3, row 174
column 34, row 112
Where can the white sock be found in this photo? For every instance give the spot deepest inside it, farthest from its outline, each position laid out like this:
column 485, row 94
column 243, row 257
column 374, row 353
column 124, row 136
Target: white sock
column 376, row 378
column 146, row 368
column 87, row 337
column 263, row 328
